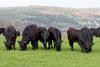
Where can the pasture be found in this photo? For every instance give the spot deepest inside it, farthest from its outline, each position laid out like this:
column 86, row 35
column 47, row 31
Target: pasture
column 50, row 58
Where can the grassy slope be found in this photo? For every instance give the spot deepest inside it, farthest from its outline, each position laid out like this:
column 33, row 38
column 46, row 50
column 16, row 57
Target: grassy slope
column 62, row 18
column 49, row 58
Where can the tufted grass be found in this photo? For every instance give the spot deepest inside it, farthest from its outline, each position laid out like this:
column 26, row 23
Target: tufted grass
column 49, row 58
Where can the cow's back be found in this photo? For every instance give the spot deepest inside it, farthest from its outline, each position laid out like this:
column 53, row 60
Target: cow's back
column 73, row 34
column 30, row 31
column 10, row 32
column 87, row 33
column 42, row 30
column 54, row 33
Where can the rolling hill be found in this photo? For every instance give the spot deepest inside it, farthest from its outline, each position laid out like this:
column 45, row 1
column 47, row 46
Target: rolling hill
column 62, row 18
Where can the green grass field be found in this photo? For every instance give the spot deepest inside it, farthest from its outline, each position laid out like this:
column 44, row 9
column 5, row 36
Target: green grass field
column 50, row 58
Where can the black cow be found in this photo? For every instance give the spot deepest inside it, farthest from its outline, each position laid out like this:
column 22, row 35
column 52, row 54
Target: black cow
column 88, row 36
column 79, row 36
column 10, row 36
column 30, row 33
column 2, row 31
column 43, row 35
column 55, row 35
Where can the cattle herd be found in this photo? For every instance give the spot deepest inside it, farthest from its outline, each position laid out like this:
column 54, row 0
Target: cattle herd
column 52, row 35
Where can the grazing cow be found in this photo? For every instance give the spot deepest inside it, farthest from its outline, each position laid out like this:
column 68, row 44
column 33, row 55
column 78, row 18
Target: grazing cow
column 88, row 36
column 30, row 34
column 2, row 31
column 10, row 36
column 55, row 35
column 43, row 35
column 75, row 35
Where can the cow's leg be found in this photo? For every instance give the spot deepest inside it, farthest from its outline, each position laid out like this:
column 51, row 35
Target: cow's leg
column 71, row 44
column 10, row 48
column 13, row 45
column 34, row 44
column 54, row 44
column 49, row 43
column 45, row 46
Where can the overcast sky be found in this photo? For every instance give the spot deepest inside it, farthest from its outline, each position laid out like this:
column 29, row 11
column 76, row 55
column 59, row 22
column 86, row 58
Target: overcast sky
column 56, row 3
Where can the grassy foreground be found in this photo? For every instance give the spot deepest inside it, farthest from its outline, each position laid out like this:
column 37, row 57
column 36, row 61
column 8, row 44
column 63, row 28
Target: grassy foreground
column 50, row 58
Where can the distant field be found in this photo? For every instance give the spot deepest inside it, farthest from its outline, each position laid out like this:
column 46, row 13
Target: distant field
column 61, row 18
column 50, row 58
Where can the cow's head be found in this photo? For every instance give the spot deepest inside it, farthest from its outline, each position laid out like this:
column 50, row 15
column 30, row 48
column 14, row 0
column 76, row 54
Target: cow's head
column 58, row 45
column 23, row 43
column 45, row 36
column 87, row 47
column 8, row 45
column 86, row 40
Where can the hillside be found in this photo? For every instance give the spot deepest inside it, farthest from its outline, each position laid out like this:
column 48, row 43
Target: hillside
column 62, row 18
